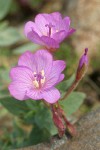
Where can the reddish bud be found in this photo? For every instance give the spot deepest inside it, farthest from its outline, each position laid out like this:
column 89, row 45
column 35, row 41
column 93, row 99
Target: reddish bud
column 71, row 129
column 58, row 123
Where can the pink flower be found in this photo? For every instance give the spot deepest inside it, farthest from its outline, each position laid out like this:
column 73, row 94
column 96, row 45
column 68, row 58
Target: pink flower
column 48, row 30
column 36, row 76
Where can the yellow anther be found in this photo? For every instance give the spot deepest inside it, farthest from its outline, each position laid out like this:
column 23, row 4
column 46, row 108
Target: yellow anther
column 36, row 84
column 42, row 73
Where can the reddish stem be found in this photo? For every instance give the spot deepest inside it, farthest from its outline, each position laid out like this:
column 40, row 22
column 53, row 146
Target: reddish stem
column 73, row 86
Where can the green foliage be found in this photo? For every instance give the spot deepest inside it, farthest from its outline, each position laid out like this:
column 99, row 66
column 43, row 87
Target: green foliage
column 3, row 25
column 43, row 119
column 17, row 139
column 14, row 106
column 4, row 8
column 38, row 135
column 64, row 85
column 9, row 36
column 73, row 102
column 42, row 116
column 23, row 48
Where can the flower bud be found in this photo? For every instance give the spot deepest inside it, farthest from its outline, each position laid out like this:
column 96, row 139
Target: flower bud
column 71, row 128
column 82, row 67
column 58, row 123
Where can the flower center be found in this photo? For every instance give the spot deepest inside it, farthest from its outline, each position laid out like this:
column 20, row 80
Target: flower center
column 50, row 28
column 39, row 79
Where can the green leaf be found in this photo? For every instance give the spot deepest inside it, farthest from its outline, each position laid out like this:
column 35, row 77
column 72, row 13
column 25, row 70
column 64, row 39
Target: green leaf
column 4, row 8
column 73, row 102
column 9, row 36
column 25, row 47
column 43, row 119
column 14, row 106
column 63, row 86
column 4, row 93
column 18, row 136
column 38, row 135
column 34, row 105
column 41, row 116
column 3, row 25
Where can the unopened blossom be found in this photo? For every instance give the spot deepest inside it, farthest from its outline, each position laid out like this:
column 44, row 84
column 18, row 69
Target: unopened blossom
column 48, row 30
column 82, row 67
column 36, row 76
column 57, row 119
column 83, row 59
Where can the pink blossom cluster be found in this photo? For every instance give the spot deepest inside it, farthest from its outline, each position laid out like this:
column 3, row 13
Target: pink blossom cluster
column 36, row 75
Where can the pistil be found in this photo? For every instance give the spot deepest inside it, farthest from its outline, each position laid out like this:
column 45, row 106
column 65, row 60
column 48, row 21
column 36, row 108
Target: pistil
column 50, row 28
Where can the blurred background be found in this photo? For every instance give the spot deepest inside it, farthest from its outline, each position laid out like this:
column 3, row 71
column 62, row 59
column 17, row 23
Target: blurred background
column 85, row 18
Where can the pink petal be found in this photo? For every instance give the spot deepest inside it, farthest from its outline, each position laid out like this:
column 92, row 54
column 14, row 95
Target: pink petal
column 34, row 94
column 54, row 76
column 43, row 61
column 29, row 26
column 61, row 77
column 59, row 36
column 40, row 60
column 22, row 74
column 58, row 66
column 50, row 42
column 40, row 23
column 66, row 23
column 46, row 19
column 63, row 24
column 22, row 80
column 18, row 90
column 27, row 59
column 51, row 96
column 52, row 18
column 71, row 31
column 35, row 38
column 56, row 15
